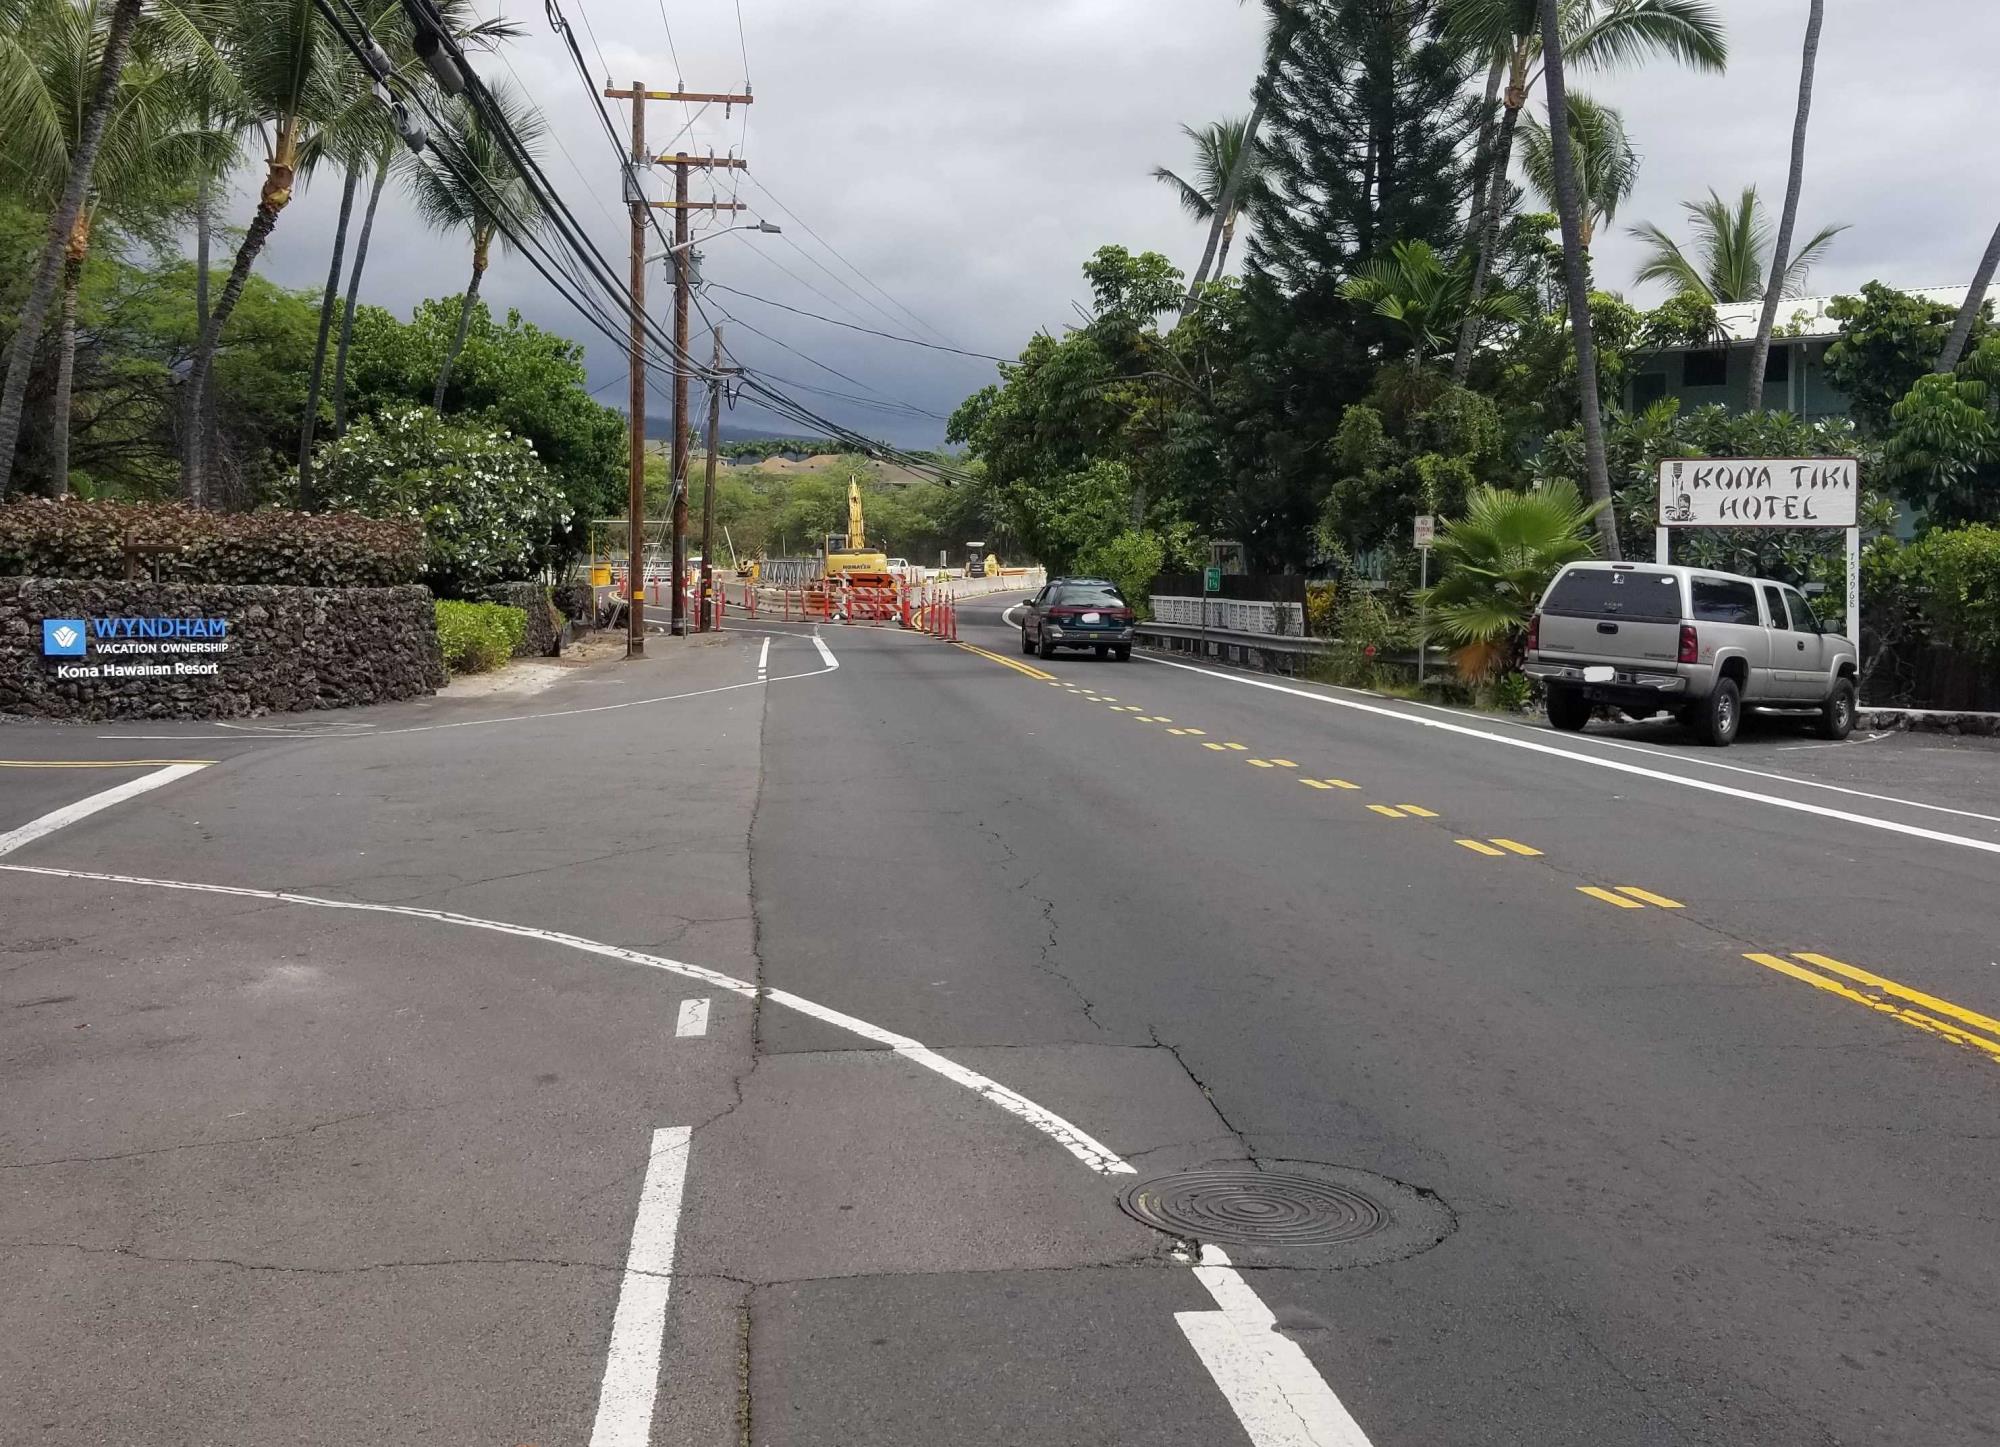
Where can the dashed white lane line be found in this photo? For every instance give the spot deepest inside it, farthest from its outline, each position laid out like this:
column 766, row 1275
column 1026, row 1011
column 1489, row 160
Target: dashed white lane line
column 638, row 1329
column 1091, row 1152
column 83, row 808
column 1273, row 1387
column 825, row 653
column 763, row 660
column 1706, row 786
column 693, row 1018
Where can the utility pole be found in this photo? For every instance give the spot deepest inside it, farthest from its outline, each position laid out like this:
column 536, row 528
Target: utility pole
column 716, row 373
column 682, row 163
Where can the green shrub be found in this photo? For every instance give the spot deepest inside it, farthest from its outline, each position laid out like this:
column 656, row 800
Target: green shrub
column 478, row 637
column 73, row 538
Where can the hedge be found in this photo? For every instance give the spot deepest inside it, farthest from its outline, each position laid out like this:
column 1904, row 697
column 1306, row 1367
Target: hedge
column 71, row 538
column 478, row 637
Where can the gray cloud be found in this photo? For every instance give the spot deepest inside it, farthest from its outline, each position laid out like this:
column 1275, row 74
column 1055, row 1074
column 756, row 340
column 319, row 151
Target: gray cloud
column 968, row 157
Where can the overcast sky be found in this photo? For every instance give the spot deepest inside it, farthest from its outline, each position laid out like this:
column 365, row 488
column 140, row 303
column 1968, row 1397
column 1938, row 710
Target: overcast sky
column 968, row 155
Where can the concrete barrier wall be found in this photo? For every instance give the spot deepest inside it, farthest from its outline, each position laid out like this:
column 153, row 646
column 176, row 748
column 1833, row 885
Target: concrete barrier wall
column 90, row 649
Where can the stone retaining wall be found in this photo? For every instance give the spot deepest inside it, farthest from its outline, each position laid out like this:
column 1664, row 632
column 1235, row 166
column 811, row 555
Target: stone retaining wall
column 283, row 649
column 543, row 638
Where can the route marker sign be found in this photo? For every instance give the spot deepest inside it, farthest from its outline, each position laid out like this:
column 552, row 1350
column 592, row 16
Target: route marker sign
column 1211, row 579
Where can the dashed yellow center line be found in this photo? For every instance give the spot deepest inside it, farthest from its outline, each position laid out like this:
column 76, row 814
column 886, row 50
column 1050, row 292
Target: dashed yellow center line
column 1217, row 747
column 1259, row 763
column 1238, row 748
column 1487, row 849
column 1646, row 896
column 1916, row 1018
column 1316, row 783
column 1419, row 810
column 1198, row 733
column 1387, row 811
column 1018, row 667
column 1608, row 897
column 1516, row 847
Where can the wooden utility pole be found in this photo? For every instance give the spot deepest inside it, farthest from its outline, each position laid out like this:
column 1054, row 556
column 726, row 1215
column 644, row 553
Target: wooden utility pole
column 716, row 373
column 635, row 488
column 635, row 644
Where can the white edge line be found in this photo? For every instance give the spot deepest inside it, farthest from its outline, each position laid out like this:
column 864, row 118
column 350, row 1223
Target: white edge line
column 1270, row 1383
column 825, row 653
column 83, row 808
column 693, row 1018
column 638, row 1328
column 1091, row 1152
column 1913, row 831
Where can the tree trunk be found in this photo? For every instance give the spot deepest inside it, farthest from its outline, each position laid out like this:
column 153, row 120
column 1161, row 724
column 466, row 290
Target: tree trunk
column 1222, row 256
column 353, row 292
column 65, row 376
column 42, row 289
column 1225, row 206
column 261, row 225
column 1781, row 251
column 1576, row 276
column 1489, row 233
column 1961, row 331
column 310, row 423
column 464, row 322
column 1482, row 156
column 202, row 205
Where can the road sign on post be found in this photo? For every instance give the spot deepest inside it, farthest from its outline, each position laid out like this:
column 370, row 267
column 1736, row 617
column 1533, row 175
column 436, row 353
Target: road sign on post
column 1211, row 579
column 1426, row 535
column 1426, row 530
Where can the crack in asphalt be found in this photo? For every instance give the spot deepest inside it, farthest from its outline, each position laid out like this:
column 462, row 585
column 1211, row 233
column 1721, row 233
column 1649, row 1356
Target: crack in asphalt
column 1045, row 953
column 1206, row 1094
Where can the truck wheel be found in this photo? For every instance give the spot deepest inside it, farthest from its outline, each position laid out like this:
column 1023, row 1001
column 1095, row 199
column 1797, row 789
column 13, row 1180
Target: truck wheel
column 1718, row 717
column 1122, row 652
column 1836, row 715
column 1027, row 644
column 1044, row 648
column 1569, row 710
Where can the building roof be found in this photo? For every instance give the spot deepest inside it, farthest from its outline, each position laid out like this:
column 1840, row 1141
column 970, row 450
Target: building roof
column 1805, row 316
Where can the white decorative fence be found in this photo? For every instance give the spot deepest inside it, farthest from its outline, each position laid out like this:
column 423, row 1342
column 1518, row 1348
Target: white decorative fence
column 1231, row 615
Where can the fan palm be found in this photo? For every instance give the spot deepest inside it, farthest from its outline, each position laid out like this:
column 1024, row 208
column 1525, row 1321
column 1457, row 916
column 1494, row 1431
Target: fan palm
column 477, row 192
column 1219, row 149
column 1607, row 166
column 1498, row 560
column 1413, row 288
column 152, row 143
column 1594, row 33
column 1732, row 245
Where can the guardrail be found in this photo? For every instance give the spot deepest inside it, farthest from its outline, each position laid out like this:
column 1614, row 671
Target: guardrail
column 1281, row 653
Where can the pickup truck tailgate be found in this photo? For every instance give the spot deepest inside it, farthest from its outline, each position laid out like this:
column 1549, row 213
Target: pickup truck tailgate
column 1622, row 615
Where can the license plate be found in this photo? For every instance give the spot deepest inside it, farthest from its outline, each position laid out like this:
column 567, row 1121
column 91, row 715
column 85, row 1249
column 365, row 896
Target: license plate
column 1599, row 674
column 1093, row 617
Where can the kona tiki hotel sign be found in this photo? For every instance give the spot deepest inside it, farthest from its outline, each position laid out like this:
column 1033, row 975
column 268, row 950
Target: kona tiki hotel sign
column 1760, row 492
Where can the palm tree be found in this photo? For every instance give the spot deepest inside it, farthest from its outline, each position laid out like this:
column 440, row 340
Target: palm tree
column 1607, row 165
column 1600, row 33
column 291, row 75
column 1576, row 276
column 1413, row 288
column 89, row 136
column 1218, row 149
column 152, row 144
column 1497, row 561
column 1760, row 352
column 385, row 160
column 1975, row 298
column 481, row 189
column 1731, row 244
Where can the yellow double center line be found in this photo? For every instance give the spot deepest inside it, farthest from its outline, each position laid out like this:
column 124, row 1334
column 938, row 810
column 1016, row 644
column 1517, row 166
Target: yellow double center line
column 1876, row 987
column 1014, row 664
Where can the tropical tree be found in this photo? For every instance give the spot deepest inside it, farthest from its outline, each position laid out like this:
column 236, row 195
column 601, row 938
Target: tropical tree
column 1576, row 276
column 15, row 67
column 1497, row 561
column 152, row 146
column 1594, row 33
column 481, row 192
column 1732, row 244
column 1781, row 252
column 1219, row 157
column 1975, row 298
column 1607, row 165
column 1426, row 299
column 385, row 160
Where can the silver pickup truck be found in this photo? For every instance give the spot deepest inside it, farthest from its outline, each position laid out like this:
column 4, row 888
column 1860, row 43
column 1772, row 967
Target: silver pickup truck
column 1704, row 646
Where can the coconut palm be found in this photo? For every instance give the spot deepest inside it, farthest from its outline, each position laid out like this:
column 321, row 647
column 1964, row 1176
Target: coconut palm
column 1219, row 155
column 152, row 145
column 1497, row 561
column 1732, row 246
column 1413, row 288
column 1576, row 274
column 384, row 163
column 1607, row 165
column 477, row 192
column 1781, row 252
column 1975, row 298
column 1594, row 33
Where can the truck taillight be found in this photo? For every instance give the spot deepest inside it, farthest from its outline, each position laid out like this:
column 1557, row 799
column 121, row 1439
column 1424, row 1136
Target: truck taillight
column 1690, row 644
column 1534, row 631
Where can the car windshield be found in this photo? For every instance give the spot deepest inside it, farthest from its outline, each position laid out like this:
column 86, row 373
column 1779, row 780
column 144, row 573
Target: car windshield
column 1620, row 593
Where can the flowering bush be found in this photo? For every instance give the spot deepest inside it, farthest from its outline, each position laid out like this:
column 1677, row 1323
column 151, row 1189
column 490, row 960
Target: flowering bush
column 73, row 538
column 489, row 509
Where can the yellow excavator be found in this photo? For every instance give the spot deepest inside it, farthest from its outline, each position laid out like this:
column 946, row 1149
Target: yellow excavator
column 849, row 552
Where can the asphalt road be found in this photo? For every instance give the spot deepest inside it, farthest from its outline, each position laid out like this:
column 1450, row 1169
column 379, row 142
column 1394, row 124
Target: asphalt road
column 752, row 1045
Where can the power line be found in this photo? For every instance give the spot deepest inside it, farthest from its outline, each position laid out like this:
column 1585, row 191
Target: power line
column 871, row 331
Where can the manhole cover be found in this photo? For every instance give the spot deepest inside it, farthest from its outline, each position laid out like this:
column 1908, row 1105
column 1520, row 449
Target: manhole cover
column 1243, row 1206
